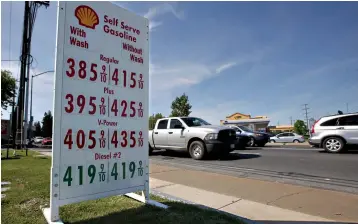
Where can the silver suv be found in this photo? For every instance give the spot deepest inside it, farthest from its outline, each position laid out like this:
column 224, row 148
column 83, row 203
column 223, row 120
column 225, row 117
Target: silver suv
column 334, row 132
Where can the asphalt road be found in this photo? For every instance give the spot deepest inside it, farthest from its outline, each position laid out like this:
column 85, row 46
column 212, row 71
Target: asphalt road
column 294, row 165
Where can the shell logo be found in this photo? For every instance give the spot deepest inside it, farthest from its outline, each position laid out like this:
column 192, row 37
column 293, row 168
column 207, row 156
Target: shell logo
column 86, row 16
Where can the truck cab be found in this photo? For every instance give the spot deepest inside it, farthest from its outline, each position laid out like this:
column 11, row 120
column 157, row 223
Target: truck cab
column 193, row 135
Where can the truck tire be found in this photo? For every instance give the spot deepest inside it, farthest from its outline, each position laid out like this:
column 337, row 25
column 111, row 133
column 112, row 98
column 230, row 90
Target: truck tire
column 150, row 150
column 251, row 142
column 197, row 150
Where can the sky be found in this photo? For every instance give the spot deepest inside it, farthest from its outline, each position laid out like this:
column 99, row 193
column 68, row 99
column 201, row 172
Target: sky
column 257, row 58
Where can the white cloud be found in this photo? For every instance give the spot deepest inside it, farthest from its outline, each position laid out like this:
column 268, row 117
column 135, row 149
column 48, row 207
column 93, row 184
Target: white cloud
column 162, row 9
column 225, row 67
column 153, row 24
column 181, row 75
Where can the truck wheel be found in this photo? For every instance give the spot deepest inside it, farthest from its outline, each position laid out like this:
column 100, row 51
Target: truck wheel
column 197, row 150
column 251, row 142
column 333, row 145
column 150, row 150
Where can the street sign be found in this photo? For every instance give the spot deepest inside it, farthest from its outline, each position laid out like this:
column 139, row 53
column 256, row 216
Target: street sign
column 100, row 138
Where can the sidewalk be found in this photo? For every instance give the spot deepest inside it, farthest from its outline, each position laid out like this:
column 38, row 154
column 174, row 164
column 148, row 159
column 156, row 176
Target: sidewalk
column 254, row 199
column 257, row 212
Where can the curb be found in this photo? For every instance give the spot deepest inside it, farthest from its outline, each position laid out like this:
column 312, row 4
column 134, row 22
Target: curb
column 173, row 198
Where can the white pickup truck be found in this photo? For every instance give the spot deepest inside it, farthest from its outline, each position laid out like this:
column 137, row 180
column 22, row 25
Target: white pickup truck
column 193, row 135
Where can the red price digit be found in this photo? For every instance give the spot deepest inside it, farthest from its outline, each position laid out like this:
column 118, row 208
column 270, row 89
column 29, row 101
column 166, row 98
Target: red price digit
column 82, row 71
column 80, row 139
column 94, row 72
column 68, row 139
column 71, row 66
column 124, row 78
column 70, row 107
column 132, row 137
column 114, row 139
column 124, row 105
column 92, row 138
column 81, row 102
column 133, row 82
column 124, row 141
column 131, row 107
column 93, row 105
column 114, row 107
column 115, row 76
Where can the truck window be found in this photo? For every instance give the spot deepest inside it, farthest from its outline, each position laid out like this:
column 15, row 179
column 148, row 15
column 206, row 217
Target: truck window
column 162, row 124
column 175, row 123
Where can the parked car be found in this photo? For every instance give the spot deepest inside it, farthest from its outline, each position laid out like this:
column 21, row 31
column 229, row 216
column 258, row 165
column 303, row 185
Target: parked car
column 47, row 141
column 288, row 137
column 193, row 135
column 333, row 133
column 255, row 138
column 38, row 139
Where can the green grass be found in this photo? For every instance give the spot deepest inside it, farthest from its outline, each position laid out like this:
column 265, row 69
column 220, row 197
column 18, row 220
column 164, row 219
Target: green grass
column 30, row 190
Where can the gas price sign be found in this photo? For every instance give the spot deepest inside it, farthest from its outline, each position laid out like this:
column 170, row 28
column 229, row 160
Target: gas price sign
column 101, row 103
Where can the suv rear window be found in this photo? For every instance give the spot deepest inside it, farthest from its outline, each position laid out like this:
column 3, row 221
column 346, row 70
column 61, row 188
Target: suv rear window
column 348, row 120
column 331, row 122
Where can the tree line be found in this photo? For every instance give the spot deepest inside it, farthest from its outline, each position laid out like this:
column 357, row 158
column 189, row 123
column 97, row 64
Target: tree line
column 44, row 128
column 180, row 108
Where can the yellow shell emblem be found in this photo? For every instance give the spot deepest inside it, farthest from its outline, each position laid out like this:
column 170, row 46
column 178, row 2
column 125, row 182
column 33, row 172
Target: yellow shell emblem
column 86, row 16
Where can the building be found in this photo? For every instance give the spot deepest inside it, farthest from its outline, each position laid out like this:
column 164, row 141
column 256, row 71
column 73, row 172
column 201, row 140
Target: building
column 258, row 123
column 5, row 129
column 281, row 128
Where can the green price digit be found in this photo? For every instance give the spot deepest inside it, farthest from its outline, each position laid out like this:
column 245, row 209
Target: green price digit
column 80, row 168
column 124, row 170
column 132, row 168
column 91, row 172
column 114, row 171
column 68, row 176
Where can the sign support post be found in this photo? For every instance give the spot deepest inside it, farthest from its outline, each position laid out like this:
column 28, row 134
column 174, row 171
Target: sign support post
column 101, row 103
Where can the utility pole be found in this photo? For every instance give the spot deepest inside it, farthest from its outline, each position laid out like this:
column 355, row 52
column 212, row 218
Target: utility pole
column 291, row 120
column 30, row 12
column 23, row 58
column 306, row 114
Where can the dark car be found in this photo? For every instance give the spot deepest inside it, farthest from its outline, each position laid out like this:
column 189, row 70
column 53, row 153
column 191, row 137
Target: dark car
column 255, row 138
column 242, row 141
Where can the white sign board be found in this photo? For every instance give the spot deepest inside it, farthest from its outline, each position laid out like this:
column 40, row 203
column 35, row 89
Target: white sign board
column 100, row 139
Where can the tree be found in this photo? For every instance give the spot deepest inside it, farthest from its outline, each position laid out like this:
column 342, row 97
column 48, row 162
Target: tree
column 181, row 106
column 8, row 88
column 38, row 131
column 47, row 125
column 300, row 127
column 153, row 119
